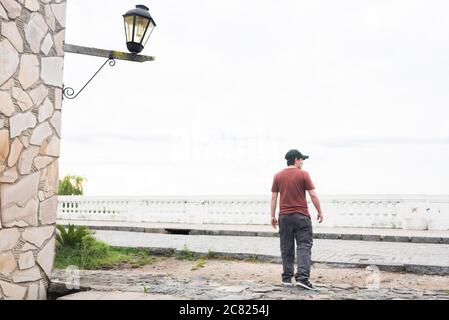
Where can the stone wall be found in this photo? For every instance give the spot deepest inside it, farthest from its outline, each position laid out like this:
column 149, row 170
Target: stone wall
column 31, row 62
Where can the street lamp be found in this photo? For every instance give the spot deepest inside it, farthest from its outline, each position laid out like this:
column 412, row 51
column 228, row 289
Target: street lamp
column 138, row 27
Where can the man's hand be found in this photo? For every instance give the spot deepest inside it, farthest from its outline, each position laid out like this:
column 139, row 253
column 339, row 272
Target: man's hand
column 320, row 217
column 274, row 222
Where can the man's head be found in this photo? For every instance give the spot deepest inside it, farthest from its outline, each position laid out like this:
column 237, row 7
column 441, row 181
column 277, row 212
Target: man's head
column 295, row 158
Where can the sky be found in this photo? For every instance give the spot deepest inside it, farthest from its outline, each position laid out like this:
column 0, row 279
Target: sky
column 361, row 86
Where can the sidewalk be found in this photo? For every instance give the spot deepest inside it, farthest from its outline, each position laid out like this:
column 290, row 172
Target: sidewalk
column 364, row 234
column 392, row 256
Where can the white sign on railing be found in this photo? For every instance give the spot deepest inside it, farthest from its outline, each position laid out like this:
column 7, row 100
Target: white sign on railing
column 374, row 211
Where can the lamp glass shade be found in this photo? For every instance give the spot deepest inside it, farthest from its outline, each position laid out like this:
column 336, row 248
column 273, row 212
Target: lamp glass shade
column 141, row 27
column 148, row 32
column 129, row 28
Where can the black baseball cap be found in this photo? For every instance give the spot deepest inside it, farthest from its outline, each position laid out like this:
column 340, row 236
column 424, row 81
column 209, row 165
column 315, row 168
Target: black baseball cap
column 295, row 154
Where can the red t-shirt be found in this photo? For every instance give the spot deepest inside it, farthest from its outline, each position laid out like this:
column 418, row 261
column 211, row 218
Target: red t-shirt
column 292, row 183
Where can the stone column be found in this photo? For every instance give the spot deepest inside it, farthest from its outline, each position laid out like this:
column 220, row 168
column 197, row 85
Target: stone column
column 31, row 62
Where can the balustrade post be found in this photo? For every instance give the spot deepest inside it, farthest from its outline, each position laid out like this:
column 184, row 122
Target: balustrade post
column 134, row 212
column 439, row 213
column 413, row 213
column 195, row 209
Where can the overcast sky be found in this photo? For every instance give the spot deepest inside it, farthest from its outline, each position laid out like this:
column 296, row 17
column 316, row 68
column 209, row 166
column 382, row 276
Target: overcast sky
column 360, row 86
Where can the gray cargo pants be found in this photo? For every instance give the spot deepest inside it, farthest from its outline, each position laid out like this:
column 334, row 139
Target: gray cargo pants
column 296, row 227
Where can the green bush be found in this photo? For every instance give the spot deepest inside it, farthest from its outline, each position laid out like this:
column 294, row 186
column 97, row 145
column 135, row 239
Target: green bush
column 92, row 254
column 76, row 246
column 72, row 237
column 71, row 185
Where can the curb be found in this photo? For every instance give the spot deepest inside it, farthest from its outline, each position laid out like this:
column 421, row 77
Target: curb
column 326, row 236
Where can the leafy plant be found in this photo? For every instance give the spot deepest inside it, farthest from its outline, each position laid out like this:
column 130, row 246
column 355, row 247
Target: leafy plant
column 72, row 237
column 254, row 258
column 186, row 254
column 71, row 185
column 211, row 254
column 199, row 264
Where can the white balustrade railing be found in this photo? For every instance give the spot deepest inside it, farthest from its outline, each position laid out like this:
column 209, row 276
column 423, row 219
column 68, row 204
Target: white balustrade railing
column 374, row 211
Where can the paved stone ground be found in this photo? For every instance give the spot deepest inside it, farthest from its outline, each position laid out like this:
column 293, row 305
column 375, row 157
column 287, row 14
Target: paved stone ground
column 135, row 284
column 398, row 256
column 117, row 295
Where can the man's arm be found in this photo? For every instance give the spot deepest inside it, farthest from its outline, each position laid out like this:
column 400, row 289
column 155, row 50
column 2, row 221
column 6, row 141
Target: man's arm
column 274, row 200
column 316, row 203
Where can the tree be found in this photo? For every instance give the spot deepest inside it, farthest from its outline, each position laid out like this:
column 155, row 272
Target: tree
column 71, row 185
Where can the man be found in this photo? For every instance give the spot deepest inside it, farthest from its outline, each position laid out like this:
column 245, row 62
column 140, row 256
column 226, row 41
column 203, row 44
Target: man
column 294, row 218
